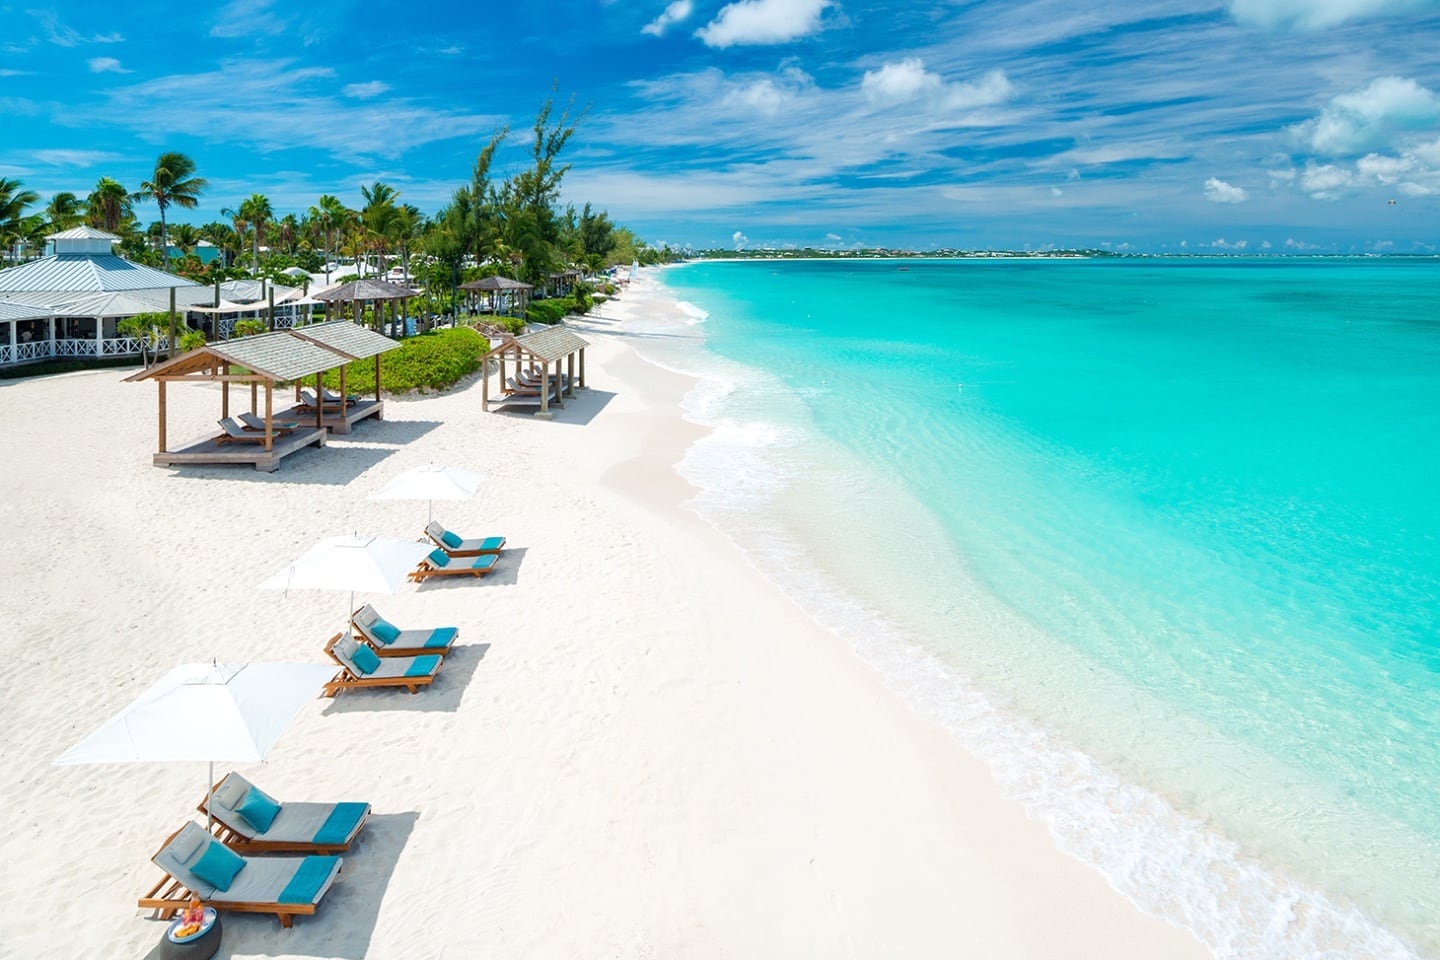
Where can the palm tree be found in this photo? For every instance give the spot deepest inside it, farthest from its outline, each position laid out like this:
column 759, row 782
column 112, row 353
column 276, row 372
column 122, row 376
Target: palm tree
column 173, row 182
column 257, row 212
column 376, row 215
column 108, row 205
column 404, row 226
column 185, row 236
column 13, row 201
column 330, row 214
column 64, row 211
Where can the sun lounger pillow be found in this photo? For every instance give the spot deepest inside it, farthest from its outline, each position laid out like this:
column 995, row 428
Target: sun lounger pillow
column 218, row 865
column 258, row 810
column 451, row 540
column 439, row 557
column 365, row 658
column 385, row 632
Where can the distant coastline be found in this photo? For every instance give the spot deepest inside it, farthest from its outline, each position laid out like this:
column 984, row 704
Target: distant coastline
column 810, row 253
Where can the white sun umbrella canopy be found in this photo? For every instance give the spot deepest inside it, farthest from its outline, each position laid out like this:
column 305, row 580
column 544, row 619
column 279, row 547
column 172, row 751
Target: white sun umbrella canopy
column 354, row 564
column 205, row 712
column 430, row 483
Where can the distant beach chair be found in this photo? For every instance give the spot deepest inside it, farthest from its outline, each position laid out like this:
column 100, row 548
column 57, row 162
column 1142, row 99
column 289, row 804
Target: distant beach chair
column 389, row 640
column 457, row 546
column 249, row 421
column 438, row 563
column 198, row 865
column 362, row 667
column 332, row 400
column 350, row 398
column 234, row 433
column 252, row 821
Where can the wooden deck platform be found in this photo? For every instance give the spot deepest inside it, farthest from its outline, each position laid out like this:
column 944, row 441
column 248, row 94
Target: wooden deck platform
column 210, row 451
column 334, row 421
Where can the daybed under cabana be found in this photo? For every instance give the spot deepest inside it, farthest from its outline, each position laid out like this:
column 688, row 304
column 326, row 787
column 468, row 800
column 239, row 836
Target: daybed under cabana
column 533, row 352
column 352, row 342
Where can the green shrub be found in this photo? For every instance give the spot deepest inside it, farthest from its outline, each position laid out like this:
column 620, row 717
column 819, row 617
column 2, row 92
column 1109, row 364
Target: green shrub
column 548, row 311
column 429, row 361
column 246, row 328
column 190, row 340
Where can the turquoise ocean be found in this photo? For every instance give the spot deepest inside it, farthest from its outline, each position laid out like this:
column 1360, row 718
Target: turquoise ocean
column 1157, row 539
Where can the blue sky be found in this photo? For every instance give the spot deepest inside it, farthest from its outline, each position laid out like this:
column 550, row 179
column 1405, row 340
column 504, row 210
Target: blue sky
column 1157, row 125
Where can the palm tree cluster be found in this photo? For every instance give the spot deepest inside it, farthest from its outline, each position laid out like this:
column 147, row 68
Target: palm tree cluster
column 514, row 226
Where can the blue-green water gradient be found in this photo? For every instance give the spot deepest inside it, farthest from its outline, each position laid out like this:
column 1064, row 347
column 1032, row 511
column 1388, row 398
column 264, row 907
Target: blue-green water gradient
column 1213, row 482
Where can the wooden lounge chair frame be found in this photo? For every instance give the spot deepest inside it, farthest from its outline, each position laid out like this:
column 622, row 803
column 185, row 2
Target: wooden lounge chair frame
column 251, row 423
column 170, row 896
column 347, row 679
column 428, row 569
column 239, row 434
column 246, row 845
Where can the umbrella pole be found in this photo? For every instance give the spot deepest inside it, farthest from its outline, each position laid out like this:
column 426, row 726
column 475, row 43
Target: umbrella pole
column 210, row 799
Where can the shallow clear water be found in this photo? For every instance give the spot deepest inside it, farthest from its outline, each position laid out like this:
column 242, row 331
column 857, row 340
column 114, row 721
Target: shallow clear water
column 1157, row 537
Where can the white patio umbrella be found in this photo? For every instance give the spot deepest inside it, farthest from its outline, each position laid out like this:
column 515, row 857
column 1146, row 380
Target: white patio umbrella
column 430, row 483
column 354, row 564
column 205, row 711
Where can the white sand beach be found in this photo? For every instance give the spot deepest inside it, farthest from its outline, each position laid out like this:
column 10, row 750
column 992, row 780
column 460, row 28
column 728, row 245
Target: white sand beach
column 640, row 748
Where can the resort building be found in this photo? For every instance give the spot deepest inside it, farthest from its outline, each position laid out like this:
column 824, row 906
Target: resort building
column 67, row 304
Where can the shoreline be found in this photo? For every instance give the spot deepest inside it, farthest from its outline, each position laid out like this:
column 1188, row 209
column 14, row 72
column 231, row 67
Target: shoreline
column 642, row 745
column 1167, row 859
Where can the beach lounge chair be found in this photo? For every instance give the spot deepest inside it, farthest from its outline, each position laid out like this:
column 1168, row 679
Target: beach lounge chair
column 388, row 640
column 362, row 667
column 234, row 433
column 332, row 401
column 438, row 563
column 196, row 864
column 249, row 421
column 249, row 820
column 457, row 546
column 331, row 397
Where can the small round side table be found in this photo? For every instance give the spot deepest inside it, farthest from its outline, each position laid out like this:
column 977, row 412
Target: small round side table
column 199, row 946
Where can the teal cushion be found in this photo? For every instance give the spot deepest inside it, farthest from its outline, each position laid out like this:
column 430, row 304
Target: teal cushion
column 385, row 632
column 258, row 810
column 451, row 539
column 218, row 865
column 422, row 666
column 442, row 637
column 439, row 557
column 365, row 659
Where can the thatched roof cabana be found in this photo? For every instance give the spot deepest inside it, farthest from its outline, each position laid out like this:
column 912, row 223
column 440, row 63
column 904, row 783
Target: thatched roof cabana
column 269, row 358
column 351, row 341
column 514, row 294
column 264, row 358
column 366, row 290
column 542, row 349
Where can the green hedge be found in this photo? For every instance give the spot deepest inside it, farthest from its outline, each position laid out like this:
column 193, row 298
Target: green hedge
column 555, row 309
column 429, row 361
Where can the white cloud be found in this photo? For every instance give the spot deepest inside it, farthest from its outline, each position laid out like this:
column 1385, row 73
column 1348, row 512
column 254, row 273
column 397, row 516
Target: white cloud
column 677, row 12
column 1323, row 181
column 1317, row 14
column 1372, row 117
column 1266, row 245
column 1223, row 244
column 1294, row 244
column 1056, row 192
column 898, row 82
column 66, row 36
column 106, row 65
column 1218, row 191
column 264, row 102
column 241, row 18
column 763, row 96
column 907, row 80
column 1384, row 170
column 739, row 239
column 72, row 158
column 364, row 91
column 763, row 22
